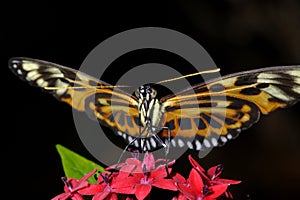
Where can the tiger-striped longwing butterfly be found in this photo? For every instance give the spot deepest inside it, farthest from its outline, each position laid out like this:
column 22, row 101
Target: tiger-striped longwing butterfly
column 187, row 114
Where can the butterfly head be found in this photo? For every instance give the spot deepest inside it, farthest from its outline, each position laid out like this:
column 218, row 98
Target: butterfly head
column 145, row 92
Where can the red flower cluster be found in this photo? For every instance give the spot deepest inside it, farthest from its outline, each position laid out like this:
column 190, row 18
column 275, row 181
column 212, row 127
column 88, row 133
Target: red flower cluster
column 135, row 180
column 201, row 185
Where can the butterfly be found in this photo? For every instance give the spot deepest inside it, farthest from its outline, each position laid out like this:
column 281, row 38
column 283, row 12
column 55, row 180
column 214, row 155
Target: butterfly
column 203, row 116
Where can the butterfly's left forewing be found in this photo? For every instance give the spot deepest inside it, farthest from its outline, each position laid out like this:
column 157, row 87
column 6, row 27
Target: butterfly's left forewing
column 224, row 107
column 82, row 92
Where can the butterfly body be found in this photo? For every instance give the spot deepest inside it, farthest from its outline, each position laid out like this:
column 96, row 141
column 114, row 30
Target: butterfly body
column 204, row 115
column 150, row 111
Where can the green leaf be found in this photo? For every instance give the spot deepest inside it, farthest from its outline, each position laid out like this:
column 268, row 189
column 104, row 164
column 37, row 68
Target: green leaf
column 76, row 166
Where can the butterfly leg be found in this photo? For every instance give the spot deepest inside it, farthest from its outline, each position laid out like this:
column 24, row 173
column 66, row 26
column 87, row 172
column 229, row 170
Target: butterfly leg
column 166, row 146
column 168, row 141
column 127, row 146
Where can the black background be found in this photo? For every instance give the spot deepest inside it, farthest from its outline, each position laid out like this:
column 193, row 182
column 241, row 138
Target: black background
column 238, row 36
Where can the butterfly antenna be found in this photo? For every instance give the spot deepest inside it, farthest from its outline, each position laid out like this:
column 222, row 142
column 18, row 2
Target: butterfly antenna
column 83, row 87
column 189, row 75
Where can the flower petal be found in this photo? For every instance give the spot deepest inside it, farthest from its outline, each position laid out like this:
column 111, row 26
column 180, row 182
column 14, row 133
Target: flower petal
column 227, row 181
column 113, row 196
column 215, row 171
column 101, row 195
column 195, row 164
column 125, row 186
column 125, row 190
column 142, row 190
column 125, row 182
column 133, row 161
column 77, row 196
column 198, row 167
column 73, row 182
column 180, row 197
column 196, row 181
column 115, row 166
column 91, row 189
column 87, row 176
column 167, row 184
column 179, row 178
column 130, row 169
column 159, row 173
column 149, row 162
column 186, row 191
column 217, row 190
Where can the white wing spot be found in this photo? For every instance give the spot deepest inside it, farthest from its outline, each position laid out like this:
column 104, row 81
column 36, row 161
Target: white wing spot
column 295, row 72
column 296, row 89
column 60, row 75
column 180, row 143
column 119, row 133
column 223, row 139
column 271, row 81
column 33, row 75
column 53, row 70
column 297, row 80
column 278, row 93
column 136, row 143
column 19, row 72
column 148, row 144
column 267, row 75
column 41, row 82
column 129, row 138
column 62, row 87
column 229, row 136
column 206, row 143
column 28, row 66
column 142, row 143
column 214, row 142
column 189, row 144
column 198, row 145
column 173, row 143
column 14, row 65
column 153, row 143
column 223, row 104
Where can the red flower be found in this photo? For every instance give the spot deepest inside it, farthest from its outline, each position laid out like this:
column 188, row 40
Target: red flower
column 142, row 176
column 200, row 185
column 75, row 188
column 136, row 179
column 212, row 176
column 194, row 188
column 110, row 188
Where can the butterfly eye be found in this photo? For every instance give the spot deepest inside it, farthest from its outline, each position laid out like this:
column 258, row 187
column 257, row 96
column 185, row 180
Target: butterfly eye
column 140, row 91
column 137, row 92
column 153, row 93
